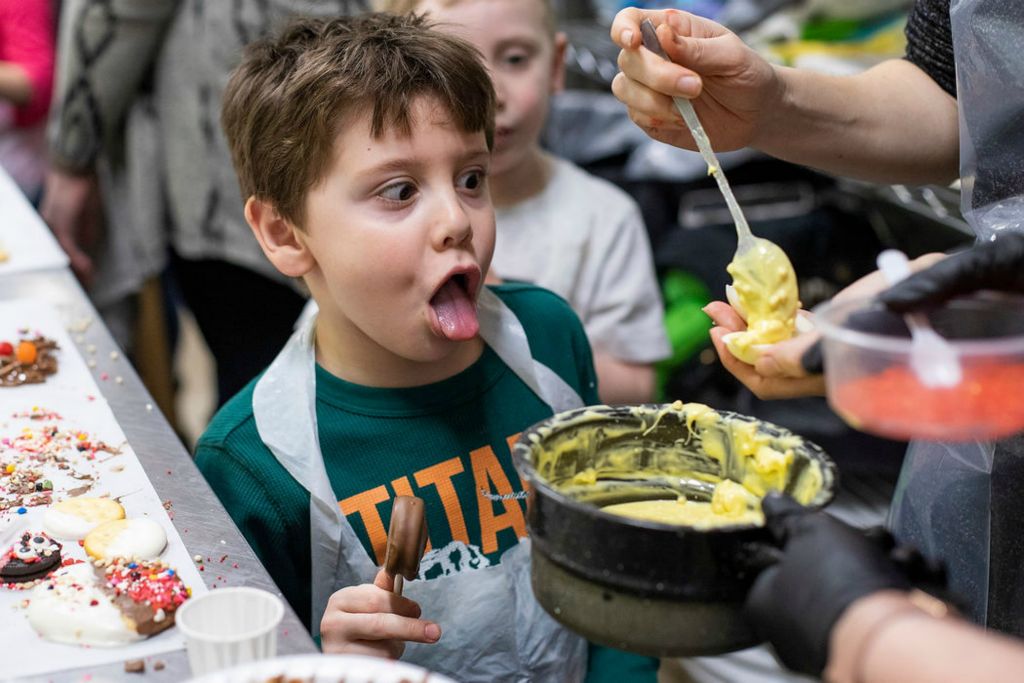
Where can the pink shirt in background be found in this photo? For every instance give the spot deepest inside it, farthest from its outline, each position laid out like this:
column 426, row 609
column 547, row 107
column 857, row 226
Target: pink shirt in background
column 27, row 39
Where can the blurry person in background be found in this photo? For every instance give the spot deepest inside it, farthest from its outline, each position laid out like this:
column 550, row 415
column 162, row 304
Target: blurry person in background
column 559, row 227
column 26, row 84
column 137, row 134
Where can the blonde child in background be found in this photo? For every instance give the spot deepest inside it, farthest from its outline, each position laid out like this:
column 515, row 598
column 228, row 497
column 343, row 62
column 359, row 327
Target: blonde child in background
column 558, row 226
column 362, row 147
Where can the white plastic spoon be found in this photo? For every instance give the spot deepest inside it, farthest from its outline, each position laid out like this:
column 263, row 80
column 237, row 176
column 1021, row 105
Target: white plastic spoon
column 745, row 239
column 932, row 359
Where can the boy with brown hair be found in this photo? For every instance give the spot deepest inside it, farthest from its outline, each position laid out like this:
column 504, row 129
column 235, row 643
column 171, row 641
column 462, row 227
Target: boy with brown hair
column 362, row 147
column 558, row 226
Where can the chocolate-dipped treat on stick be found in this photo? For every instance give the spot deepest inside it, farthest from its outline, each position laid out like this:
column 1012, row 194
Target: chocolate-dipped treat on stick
column 407, row 539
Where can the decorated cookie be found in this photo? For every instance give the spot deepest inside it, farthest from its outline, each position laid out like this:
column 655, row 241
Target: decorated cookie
column 32, row 557
column 73, row 519
column 108, row 605
column 28, row 361
column 140, row 538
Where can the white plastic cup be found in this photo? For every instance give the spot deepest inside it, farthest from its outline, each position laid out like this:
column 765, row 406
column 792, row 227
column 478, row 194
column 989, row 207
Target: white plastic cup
column 229, row 626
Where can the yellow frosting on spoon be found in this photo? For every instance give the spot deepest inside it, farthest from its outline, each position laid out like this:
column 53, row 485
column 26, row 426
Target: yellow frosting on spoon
column 767, row 297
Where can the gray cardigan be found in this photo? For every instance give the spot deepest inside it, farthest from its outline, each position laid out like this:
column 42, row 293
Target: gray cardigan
column 139, row 92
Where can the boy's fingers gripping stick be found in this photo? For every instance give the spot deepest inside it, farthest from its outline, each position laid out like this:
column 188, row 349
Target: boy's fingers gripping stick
column 407, row 539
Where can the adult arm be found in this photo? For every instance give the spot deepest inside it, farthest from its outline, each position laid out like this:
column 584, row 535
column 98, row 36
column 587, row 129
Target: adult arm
column 892, row 123
column 839, row 606
column 104, row 52
column 885, row 638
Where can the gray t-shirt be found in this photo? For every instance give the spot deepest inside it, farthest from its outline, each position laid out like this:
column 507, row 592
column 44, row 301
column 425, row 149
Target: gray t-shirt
column 584, row 239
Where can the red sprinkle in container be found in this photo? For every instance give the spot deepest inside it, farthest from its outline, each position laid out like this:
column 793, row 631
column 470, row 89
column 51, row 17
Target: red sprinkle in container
column 871, row 385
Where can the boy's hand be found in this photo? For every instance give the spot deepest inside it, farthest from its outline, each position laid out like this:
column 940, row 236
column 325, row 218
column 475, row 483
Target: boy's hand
column 733, row 89
column 371, row 620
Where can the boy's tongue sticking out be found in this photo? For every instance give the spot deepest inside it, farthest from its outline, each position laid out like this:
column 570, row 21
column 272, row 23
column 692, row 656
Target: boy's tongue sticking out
column 455, row 310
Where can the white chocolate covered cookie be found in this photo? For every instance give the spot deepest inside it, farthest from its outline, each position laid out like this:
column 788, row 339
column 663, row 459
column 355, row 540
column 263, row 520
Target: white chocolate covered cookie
column 140, row 538
column 72, row 608
column 73, row 519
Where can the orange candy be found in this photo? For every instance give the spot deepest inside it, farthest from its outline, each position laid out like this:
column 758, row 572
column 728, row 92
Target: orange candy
column 26, row 353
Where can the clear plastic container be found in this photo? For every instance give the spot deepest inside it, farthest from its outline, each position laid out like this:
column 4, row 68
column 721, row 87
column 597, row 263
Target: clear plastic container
column 871, row 385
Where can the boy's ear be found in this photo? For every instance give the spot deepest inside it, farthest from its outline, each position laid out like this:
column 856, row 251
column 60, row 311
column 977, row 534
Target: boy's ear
column 558, row 63
column 279, row 238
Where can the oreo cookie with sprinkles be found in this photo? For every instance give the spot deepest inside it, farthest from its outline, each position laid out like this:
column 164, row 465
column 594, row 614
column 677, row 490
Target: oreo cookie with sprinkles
column 32, row 557
column 29, row 361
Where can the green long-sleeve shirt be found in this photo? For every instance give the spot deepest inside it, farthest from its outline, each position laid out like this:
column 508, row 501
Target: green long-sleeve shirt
column 448, row 442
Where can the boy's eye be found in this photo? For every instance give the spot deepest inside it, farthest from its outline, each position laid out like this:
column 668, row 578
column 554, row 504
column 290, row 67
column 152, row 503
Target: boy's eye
column 472, row 180
column 398, row 192
column 516, row 59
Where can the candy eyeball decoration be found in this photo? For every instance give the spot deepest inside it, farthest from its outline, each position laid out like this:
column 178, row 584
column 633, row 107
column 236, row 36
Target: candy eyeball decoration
column 40, row 544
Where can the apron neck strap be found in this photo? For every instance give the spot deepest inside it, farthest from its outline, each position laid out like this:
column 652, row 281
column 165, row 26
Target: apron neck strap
column 503, row 332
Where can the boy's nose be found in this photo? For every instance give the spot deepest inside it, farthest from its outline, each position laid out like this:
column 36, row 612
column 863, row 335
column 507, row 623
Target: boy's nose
column 452, row 224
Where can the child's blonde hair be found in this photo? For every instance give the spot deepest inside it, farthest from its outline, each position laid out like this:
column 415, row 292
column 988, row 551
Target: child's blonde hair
column 410, row 6
column 292, row 93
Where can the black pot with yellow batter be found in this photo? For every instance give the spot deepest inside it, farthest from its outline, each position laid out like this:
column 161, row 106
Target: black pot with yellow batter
column 645, row 520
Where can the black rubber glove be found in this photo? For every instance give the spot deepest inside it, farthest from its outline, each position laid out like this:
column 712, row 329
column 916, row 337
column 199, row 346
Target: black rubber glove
column 873, row 321
column 826, row 565
column 813, row 360
column 997, row 265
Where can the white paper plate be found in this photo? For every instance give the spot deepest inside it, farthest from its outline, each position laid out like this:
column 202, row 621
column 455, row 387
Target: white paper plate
column 325, row 669
column 23, row 235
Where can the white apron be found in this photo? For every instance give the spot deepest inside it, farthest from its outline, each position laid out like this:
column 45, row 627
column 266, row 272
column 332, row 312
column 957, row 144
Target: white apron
column 492, row 627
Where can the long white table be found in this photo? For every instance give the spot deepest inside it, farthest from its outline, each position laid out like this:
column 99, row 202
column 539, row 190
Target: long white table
column 210, row 531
